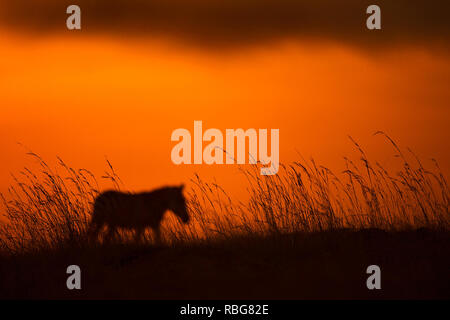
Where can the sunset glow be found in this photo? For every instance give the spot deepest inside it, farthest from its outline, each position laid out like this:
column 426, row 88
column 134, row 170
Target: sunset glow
column 86, row 98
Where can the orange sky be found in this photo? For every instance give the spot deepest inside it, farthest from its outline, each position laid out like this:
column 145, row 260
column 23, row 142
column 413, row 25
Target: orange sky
column 86, row 98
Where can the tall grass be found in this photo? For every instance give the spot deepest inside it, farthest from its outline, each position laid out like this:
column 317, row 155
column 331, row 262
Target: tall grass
column 53, row 208
column 49, row 208
column 307, row 197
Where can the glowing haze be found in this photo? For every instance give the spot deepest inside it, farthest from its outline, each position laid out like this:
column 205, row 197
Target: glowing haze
column 94, row 94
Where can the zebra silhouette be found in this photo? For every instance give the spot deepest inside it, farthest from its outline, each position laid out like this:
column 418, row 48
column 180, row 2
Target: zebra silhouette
column 136, row 211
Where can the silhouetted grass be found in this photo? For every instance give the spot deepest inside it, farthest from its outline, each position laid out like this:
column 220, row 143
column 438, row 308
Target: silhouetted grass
column 51, row 209
column 307, row 197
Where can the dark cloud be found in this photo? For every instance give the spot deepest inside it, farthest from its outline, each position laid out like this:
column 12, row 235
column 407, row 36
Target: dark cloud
column 238, row 22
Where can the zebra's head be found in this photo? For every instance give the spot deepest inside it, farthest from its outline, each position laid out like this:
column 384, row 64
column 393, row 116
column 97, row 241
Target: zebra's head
column 178, row 204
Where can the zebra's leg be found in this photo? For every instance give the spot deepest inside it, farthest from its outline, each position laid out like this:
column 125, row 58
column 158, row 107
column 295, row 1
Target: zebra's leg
column 138, row 235
column 111, row 234
column 157, row 233
column 93, row 231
